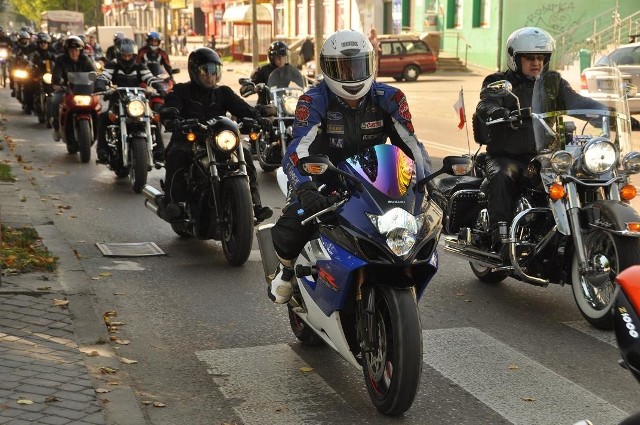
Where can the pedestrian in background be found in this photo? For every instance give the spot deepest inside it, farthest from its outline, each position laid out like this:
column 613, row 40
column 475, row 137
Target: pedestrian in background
column 307, row 51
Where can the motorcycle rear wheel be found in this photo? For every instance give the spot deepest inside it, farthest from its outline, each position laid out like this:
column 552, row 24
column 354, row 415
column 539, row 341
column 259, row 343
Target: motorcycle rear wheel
column 595, row 293
column 302, row 331
column 485, row 275
column 84, row 140
column 237, row 220
column 392, row 371
column 139, row 163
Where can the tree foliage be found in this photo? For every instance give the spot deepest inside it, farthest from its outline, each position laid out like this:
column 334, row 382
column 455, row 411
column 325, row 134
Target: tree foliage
column 33, row 8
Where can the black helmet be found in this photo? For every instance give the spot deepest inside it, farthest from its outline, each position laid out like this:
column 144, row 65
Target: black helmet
column 43, row 37
column 73, row 42
column 204, row 59
column 278, row 48
column 126, row 47
column 117, row 38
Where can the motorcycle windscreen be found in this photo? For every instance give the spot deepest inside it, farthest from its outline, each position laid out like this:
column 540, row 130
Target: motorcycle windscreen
column 604, row 114
column 385, row 167
column 286, row 76
column 81, row 82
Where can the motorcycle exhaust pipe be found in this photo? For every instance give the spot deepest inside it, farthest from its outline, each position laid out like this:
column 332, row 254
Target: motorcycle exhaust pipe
column 152, row 194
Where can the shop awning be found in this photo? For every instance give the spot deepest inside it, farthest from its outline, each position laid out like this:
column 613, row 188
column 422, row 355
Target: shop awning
column 243, row 13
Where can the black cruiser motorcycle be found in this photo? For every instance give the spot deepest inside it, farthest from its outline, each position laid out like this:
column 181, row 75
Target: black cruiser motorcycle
column 572, row 220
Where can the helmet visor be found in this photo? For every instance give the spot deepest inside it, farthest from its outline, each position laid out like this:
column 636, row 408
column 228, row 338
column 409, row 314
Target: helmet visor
column 210, row 68
column 348, row 69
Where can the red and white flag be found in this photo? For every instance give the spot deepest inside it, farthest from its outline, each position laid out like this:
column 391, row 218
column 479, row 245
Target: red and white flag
column 459, row 107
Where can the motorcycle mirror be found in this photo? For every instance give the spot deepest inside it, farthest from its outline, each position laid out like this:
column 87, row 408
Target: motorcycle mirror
column 93, row 76
column 244, row 81
column 175, row 70
column 501, row 85
column 314, row 165
column 452, row 165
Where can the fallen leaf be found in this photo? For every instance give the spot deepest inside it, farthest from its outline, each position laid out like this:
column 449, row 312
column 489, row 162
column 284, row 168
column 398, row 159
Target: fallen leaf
column 51, row 399
column 60, row 303
column 460, row 294
column 158, row 404
column 95, row 278
column 528, row 399
column 127, row 361
column 44, row 288
column 467, row 301
column 25, row 401
column 102, row 390
column 117, row 323
column 306, row 369
column 107, row 370
column 146, row 402
column 113, row 383
column 105, row 274
column 119, row 293
column 513, row 367
column 113, row 337
column 122, row 341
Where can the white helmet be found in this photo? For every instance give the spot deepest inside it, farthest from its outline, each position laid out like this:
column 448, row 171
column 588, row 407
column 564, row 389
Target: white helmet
column 348, row 64
column 529, row 40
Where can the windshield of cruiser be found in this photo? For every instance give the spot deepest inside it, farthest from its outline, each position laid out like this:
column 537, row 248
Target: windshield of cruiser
column 561, row 116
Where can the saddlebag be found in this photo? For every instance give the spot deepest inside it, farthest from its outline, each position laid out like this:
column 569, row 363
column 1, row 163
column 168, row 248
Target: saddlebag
column 464, row 201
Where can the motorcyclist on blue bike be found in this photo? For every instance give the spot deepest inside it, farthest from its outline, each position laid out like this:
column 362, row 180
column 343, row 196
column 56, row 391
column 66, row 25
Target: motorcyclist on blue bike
column 347, row 112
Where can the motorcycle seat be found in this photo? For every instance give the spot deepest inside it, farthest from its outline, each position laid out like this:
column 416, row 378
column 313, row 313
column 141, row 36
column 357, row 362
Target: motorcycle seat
column 446, row 184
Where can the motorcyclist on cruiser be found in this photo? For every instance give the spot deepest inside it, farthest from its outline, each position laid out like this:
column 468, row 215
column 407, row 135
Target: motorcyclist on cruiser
column 278, row 55
column 39, row 57
column 124, row 72
column 72, row 60
column 509, row 149
column 347, row 112
column 203, row 98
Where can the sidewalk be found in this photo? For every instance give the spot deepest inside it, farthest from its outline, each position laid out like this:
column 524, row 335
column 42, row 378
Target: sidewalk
column 46, row 376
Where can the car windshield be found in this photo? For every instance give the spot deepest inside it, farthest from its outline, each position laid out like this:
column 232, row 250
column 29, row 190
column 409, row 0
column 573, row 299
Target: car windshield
column 629, row 55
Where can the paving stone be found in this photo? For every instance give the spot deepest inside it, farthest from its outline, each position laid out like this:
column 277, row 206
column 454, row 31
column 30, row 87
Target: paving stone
column 11, row 364
column 7, row 324
column 18, row 301
column 7, row 385
column 67, row 395
column 20, row 422
column 14, row 315
column 93, row 408
column 65, row 413
column 34, row 389
column 76, row 406
column 10, row 412
column 5, row 393
column 41, row 382
column 18, row 358
column 45, row 370
column 25, row 372
column 58, row 325
column 72, row 387
column 96, row 418
column 55, row 420
column 30, row 416
column 4, row 420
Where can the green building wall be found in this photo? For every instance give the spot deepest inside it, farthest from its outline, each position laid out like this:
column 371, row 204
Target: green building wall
column 570, row 22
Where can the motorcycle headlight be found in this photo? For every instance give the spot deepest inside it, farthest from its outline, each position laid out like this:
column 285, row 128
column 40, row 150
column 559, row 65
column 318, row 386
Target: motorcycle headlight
column 46, row 78
column 290, row 104
column 20, row 74
column 399, row 227
column 631, row 162
column 82, row 100
column 136, row 108
column 227, row 140
column 3, row 53
column 599, row 156
column 561, row 162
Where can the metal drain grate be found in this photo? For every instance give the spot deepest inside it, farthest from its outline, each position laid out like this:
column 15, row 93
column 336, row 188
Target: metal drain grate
column 134, row 249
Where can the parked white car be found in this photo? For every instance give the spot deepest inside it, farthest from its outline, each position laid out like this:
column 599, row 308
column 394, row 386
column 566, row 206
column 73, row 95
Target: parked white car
column 627, row 59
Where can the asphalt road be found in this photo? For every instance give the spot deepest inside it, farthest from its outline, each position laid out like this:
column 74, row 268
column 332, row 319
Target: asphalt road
column 212, row 346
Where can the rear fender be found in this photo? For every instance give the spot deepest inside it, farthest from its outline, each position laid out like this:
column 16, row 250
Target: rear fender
column 611, row 216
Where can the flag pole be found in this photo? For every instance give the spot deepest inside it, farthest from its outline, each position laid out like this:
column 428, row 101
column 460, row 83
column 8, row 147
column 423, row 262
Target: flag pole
column 464, row 112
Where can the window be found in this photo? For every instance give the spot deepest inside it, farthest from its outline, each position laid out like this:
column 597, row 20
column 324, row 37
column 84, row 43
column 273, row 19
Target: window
column 415, row 47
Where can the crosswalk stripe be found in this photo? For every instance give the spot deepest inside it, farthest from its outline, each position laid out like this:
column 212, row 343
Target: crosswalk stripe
column 273, row 385
column 517, row 387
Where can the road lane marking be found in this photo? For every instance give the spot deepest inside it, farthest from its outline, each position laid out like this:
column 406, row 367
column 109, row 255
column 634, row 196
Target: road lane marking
column 515, row 386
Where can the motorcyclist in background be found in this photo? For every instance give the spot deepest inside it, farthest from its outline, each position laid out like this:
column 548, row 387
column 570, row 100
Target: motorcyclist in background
column 110, row 54
column 72, row 60
column 40, row 55
column 151, row 52
column 124, row 72
column 23, row 47
column 203, row 98
column 278, row 55
column 509, row 150
column 330, row 119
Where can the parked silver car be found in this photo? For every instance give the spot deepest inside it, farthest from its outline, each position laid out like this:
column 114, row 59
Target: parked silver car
column 627, row 59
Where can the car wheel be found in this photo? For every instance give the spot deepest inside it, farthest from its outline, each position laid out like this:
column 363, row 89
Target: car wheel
column 411, row 73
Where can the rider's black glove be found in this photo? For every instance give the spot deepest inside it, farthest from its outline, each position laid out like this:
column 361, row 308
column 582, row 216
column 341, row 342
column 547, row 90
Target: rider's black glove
column 99, row 85
column 265, row 124
column 499, row 113
column 267, row 110
column 311, row 200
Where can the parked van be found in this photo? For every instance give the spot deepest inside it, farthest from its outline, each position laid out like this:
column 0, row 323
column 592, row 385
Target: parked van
column 405, row 58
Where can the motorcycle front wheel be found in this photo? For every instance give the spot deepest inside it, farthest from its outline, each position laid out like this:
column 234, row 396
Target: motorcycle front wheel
column 595, row 292
column 84, row 140
column 392, row 367
column 139, row 166
column 237, row 220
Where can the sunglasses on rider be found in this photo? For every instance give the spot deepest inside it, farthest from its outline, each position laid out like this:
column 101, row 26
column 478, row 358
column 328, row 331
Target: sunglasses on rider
column 532, row 58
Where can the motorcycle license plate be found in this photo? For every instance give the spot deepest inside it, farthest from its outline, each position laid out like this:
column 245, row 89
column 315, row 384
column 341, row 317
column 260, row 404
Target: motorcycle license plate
column 605, row 85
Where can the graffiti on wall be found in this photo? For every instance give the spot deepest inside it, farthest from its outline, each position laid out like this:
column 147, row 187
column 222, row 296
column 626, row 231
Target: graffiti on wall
column 555, row 17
